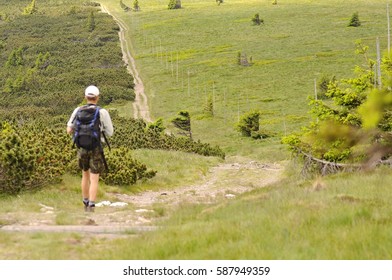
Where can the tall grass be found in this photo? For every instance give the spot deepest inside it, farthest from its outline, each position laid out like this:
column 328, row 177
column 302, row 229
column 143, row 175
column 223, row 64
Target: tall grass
column 349, row 218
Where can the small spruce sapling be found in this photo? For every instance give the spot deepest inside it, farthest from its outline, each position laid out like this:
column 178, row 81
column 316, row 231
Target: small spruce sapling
column 257, row 20
column 354, row 21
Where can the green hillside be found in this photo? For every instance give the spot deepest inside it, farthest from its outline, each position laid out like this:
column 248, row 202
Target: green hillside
column 186, row 56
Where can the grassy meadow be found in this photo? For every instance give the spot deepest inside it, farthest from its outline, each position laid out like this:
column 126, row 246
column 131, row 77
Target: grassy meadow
column 189, row 55
column 186, row 56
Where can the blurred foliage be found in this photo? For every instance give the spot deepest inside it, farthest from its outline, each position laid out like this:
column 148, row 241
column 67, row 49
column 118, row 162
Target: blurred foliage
column 354, row 121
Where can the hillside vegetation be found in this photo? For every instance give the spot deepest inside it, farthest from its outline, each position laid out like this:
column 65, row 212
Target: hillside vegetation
column 211, row 63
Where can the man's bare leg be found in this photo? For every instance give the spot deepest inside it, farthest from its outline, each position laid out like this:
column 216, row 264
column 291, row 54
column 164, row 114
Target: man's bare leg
column 94, row 179
column 85, row 183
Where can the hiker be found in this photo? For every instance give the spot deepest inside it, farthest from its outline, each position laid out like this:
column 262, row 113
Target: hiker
column 90, row 125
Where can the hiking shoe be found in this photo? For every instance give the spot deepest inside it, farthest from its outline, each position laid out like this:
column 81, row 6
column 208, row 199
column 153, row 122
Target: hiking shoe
column 85, row 203
column 91, row 208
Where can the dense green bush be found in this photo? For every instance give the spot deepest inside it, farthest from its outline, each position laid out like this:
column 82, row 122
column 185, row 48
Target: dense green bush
column 124, row 169
column 16, row 165
column 30, row 9
column 31, row 156
column 50, row 60
column 136, row 134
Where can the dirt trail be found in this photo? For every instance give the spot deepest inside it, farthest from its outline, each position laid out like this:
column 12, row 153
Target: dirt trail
column 140, row 212
column 140, row 105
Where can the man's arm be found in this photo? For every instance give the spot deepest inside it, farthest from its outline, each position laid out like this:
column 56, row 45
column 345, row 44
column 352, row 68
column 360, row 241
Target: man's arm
column 106, row 121
column 70, row 130
column 71, row 122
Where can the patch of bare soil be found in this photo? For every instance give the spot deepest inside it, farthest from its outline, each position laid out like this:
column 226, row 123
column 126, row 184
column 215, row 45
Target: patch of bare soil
column 224, row 181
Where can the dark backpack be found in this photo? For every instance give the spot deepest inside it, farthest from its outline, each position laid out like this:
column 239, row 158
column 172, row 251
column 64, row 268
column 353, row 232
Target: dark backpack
column 87, row 128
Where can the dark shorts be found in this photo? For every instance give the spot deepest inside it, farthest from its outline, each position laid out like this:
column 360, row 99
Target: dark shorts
column 91, row 160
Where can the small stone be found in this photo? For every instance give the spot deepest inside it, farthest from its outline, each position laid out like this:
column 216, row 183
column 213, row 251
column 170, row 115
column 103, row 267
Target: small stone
column 143, row 211
column 103, row 203
column 118, row 204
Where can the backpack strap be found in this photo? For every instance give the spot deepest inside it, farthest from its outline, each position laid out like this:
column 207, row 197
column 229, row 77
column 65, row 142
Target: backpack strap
column 106, row 140
column 96, row 114
column 103, row 133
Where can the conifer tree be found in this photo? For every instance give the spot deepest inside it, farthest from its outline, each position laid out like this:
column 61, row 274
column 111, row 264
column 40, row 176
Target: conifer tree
column 174, row 4
column 42, row 61
column 354, row 21
column 209, row 107
column 15, row 58
column 30, row 9
column 257, row 20
column 249, row 123
column 91, row 22
column 183, row 122
column 136, row 6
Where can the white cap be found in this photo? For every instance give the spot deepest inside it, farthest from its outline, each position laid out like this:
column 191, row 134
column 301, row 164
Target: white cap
column 91, row 91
